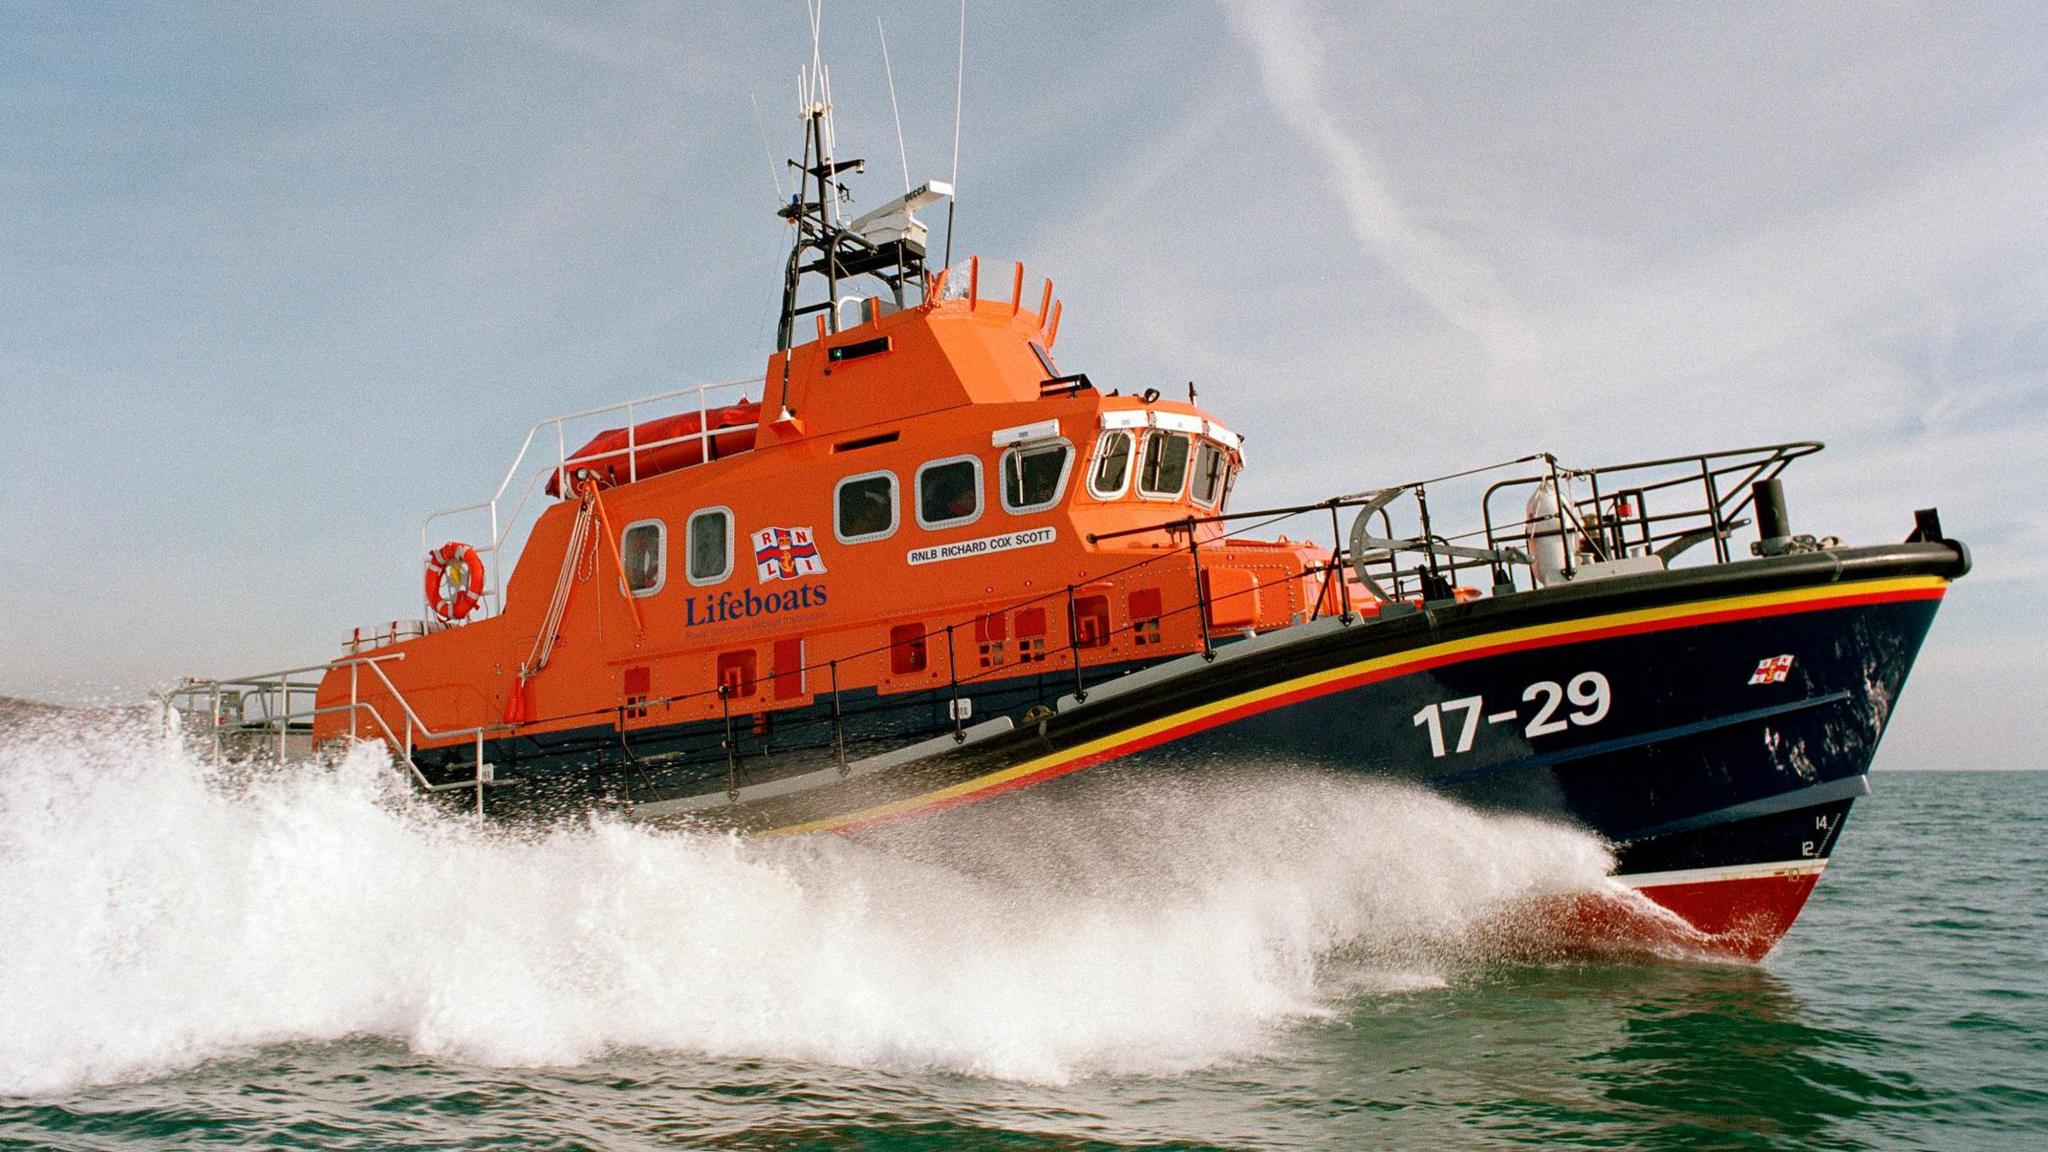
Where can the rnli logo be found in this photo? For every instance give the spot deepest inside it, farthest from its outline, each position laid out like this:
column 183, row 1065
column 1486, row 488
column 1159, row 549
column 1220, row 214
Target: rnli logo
column 1772, row 670
column 786, row 554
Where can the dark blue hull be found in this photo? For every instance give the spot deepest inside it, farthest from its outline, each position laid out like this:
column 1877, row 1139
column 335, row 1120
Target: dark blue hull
column 1685, row 745
column 1714, row 725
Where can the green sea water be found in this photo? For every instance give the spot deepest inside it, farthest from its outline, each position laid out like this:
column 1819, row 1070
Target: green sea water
column 1294, row 962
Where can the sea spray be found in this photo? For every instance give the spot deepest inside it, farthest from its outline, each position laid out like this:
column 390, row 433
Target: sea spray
column 156, row 912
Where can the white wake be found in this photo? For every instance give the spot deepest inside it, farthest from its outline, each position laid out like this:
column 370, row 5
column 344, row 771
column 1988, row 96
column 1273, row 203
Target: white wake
column 155, row 913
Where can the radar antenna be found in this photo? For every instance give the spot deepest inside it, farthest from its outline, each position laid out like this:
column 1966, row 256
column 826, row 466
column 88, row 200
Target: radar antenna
column 887, row 243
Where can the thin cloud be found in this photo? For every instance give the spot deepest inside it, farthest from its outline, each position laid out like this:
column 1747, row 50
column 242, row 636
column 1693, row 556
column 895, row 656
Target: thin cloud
column 631, row 49
column 1462, row 289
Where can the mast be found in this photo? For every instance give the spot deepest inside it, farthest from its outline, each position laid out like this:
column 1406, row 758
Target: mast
column 887, row 244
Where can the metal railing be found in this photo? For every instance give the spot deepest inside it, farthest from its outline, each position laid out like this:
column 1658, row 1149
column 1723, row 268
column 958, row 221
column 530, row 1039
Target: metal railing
column 503, row 521
column 1395, row 551
column 1700, row 498
column 1089, row 647
column 1395, row 554
column 288, row 708
column 362, row 640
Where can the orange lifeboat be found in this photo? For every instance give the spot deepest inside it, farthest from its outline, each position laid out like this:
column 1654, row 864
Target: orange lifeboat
column 662, row 445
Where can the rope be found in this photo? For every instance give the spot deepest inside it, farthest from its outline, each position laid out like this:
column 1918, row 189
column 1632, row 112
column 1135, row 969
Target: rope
column 586, row 556
column 612, row 539
column 551, row 624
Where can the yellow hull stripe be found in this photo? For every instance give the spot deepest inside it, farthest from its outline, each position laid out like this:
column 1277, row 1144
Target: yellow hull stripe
column 1897, row 588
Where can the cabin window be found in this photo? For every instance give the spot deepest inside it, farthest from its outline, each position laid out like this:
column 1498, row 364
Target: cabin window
column 866, row 507
column 906, row 649
column 1112, row 465
column 1210, row 465
column 949, row 492
column 640, row 550
column 1165, row 471
column 710, row 545
column 1034, row 475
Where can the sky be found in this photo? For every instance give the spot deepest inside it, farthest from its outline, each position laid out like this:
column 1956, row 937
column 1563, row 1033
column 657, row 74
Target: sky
column 276, row 280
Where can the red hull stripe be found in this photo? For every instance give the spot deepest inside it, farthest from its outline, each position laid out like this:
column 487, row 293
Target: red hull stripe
column 1743, row 917
column 1205, row 717
column 1737, row 917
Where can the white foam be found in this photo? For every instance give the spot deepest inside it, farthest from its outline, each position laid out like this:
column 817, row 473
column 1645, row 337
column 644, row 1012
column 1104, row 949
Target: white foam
column 155, row 914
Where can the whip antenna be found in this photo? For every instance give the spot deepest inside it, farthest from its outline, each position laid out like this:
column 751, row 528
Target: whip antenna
column 815, row 9
column 774, row 173
column 901, row 152
column 959, row 79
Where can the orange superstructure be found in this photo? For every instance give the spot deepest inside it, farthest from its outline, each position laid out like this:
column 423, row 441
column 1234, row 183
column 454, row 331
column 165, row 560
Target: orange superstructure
column 913, row 513
column 943, row 482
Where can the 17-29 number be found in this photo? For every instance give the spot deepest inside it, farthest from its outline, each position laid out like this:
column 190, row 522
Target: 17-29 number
column 1588, row 693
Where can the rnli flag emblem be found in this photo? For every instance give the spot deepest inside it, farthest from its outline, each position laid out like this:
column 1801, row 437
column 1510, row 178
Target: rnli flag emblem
column 1772, row 670
column 786, row 554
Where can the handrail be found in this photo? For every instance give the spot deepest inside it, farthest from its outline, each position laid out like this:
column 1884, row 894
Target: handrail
column 1203, row 602
column 632, row 451
column 501, row 528
column 276, row 681
column 264, row 684
column 1443, row 558
column 1705, row 469
column 1347, row 500
column 236, row 681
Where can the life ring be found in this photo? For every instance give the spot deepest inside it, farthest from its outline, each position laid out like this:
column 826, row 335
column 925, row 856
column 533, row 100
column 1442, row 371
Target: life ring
column 455, row 581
